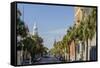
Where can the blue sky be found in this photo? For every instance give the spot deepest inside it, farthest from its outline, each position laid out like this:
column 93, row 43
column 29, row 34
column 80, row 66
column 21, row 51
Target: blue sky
column 52, row 21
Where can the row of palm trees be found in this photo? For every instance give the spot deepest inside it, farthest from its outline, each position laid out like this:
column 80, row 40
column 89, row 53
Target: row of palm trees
column 30, row 44
column 82, row 33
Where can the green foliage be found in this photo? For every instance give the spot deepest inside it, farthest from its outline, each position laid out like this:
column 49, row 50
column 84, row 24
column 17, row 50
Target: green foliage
column 86, row 30
column 21, row 28
column 31, row 43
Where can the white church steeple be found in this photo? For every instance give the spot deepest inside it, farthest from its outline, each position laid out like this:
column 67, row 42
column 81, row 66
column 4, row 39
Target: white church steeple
column 35, row 29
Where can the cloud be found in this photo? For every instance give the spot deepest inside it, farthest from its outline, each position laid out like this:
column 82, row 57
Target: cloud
column 56, row 31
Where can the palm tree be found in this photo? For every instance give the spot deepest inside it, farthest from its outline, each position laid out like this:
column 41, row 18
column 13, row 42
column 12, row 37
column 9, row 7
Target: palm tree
column 80, row 37
column 45, row 50
column 66, row 45
column 22, row 30
column 68, row 39
column 39, row 46
column 29, row 45
column 85, row 30
column 83, row 33
column 91, row 27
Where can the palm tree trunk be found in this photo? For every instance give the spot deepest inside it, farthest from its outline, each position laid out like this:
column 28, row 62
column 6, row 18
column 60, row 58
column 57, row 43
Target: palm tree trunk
column 69, row 52
column 75, row 49
column 84, row 52
column 75, row 52
column 65, row 54
column 89, row 47
column 80, row 43
column 87, row 50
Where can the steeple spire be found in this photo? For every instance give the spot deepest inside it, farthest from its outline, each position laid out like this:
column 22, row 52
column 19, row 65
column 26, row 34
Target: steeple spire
column 35, row 29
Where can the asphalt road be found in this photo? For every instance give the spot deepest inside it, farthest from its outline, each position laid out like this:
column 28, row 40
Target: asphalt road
column 48, row 60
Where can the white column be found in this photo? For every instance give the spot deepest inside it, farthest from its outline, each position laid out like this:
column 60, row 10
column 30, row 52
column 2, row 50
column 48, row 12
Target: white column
column 89, row 47
column 80, row 49
column 84, row 53
column 77, row 54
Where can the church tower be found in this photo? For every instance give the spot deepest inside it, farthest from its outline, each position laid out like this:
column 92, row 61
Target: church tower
column 35, row 29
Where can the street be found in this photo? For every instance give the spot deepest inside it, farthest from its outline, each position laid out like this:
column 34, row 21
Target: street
column 48, row 59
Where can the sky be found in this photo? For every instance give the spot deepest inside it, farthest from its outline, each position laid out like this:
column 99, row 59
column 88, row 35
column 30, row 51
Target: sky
column 52, row 20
